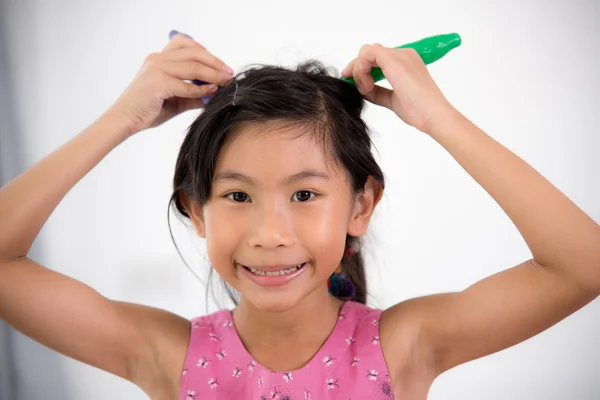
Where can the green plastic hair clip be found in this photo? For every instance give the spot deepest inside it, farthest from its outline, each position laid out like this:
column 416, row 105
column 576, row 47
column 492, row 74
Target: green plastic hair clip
column 430, row 49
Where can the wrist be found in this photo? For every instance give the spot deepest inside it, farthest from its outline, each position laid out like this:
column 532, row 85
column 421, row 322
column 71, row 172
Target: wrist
column 115, row 124
column 447, row 120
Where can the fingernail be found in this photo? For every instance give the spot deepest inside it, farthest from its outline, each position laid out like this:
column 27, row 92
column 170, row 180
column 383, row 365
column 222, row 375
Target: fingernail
column 228, row 70
column 212, row 88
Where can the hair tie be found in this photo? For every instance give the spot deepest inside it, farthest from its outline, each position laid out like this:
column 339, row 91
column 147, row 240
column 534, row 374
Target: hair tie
column 339, row 283
column 352, row 248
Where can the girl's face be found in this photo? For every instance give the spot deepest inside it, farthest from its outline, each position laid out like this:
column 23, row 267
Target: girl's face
column 277, row 204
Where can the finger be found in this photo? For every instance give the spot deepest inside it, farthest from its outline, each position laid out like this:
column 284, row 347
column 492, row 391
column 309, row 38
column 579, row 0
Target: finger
column 361, row 74
column 371, row 56
column 191, row 70
column 380, row 96
column 198, row 55
column 347, row 71
column 179, row 88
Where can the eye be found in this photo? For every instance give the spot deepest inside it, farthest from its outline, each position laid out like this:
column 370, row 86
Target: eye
column 238, row 197
column 303, row 195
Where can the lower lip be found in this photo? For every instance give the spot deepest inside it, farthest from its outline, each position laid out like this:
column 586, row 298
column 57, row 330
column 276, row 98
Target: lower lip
column 277, row 280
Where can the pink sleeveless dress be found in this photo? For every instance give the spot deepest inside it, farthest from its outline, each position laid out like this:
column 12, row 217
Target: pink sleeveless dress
column 349, row 365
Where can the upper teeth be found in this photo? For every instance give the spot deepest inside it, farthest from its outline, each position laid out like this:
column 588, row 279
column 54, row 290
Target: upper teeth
column 274, row 273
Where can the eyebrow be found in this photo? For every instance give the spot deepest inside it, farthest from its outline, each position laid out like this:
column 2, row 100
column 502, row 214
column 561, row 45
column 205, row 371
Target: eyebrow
column 239, row 177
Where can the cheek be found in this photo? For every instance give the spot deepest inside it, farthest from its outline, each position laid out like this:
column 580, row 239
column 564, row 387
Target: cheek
column 318, row 231
column 222, row 239
column 323, row 232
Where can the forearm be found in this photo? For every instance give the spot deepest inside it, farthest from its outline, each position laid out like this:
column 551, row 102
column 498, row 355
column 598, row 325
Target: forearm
column 27, row 201
column 558, row 233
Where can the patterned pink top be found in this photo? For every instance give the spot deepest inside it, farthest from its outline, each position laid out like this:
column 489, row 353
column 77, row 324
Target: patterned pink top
column 349, row 365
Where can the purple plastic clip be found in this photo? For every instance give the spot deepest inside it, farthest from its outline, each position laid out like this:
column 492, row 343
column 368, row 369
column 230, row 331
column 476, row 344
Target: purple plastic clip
column 198, row 82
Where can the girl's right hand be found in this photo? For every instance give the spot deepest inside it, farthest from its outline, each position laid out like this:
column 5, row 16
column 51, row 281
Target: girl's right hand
column 159, row 91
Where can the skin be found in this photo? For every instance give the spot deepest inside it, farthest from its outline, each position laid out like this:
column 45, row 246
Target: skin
column 421, row 338
column 270, row 226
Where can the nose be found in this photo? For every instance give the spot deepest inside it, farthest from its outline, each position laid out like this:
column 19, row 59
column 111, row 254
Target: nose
column 271, row 227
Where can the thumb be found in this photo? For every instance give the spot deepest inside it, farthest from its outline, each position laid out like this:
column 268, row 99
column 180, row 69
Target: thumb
column 380, row 96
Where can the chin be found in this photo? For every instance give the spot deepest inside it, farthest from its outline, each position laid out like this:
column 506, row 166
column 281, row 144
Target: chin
column 274, row 301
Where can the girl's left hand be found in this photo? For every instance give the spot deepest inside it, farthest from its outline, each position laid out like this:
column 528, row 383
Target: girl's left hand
column 415, row 97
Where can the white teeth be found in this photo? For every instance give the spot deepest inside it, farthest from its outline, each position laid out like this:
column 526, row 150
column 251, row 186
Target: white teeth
column 274, row 273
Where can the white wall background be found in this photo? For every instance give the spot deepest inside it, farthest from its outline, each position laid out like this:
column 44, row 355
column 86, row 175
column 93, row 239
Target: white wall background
column 527, row 73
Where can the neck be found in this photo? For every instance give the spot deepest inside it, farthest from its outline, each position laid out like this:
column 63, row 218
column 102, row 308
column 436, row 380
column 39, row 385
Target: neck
column 264, row 332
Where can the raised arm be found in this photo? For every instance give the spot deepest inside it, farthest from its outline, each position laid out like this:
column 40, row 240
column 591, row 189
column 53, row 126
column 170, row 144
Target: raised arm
column 58, row 311
column 562, row 276
column 51, row 308
column 516, row 304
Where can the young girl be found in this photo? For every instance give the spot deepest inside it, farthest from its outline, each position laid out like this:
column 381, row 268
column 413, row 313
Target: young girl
column 277, row 175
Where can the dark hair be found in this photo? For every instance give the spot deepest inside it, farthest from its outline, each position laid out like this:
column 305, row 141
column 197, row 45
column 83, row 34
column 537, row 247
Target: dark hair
column 307, row 97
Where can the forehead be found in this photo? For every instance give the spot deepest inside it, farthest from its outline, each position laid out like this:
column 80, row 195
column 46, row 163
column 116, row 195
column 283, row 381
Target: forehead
column 277, row 148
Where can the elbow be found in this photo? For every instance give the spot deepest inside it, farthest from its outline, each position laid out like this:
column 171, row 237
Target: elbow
column 597, row 276
column 8, row 260
column 591, row 271
column 590, row 263
column 584, row 272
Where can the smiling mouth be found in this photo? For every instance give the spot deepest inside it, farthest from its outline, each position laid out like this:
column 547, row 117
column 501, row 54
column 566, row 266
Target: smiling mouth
column 283, row 272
